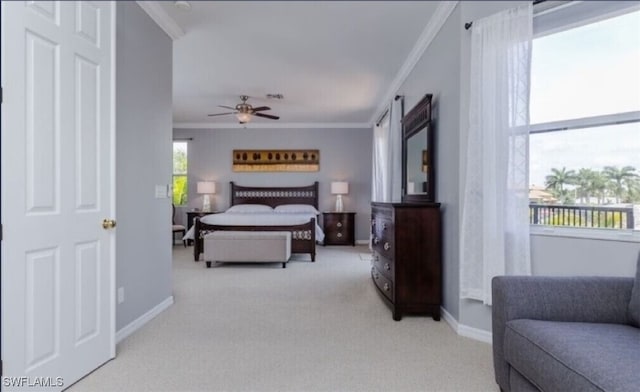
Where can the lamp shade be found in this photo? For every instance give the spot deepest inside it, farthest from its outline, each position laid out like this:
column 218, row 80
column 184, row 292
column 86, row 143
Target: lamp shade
column 206, row 187
column 339, row 188
column 243, row 117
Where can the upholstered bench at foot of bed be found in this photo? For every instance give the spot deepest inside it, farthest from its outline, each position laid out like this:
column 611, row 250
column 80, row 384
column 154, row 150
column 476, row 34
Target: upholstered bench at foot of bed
column 248, row 246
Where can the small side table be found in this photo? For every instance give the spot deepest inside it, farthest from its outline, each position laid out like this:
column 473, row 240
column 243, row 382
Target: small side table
column 192, row 214
column 339, row 228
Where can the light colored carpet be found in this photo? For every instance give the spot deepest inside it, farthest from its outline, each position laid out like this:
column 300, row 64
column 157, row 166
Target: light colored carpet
column 310, row 327
column 365, row 256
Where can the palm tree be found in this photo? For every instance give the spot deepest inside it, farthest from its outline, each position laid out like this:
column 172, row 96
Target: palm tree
column 633, row 190
column 584, row 181
column 556, row 181
column 618, row 177
column 598, row 186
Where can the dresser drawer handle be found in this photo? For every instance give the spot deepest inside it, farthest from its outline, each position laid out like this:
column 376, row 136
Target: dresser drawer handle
column 339, row 224
column 339, row 235
column 387, row 246
column 386, row 287
column 387, row 267
column 384, row 226
column 376, row 240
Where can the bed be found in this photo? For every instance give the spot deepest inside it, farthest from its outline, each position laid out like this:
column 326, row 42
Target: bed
column 303, row 231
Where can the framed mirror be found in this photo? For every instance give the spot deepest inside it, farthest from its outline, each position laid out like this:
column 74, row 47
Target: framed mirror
column 418, row 151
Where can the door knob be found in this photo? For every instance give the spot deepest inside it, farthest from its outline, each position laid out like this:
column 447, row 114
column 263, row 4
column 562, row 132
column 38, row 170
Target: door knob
column 108, row 224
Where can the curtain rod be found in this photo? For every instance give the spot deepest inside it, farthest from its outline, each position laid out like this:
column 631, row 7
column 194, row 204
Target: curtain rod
column 468, row 25
column 386, row 112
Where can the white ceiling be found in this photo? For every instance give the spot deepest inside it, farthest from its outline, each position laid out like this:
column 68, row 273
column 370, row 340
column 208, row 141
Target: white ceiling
column 334, row 62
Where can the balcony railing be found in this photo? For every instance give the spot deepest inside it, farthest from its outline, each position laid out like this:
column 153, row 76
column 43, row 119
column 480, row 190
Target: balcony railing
column 581, row 216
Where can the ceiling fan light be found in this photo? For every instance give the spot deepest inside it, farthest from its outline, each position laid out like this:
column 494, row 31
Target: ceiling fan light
column 243, row 117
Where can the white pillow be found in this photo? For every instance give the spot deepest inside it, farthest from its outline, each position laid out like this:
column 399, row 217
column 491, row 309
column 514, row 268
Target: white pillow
column 296, row 209
column 249, row 208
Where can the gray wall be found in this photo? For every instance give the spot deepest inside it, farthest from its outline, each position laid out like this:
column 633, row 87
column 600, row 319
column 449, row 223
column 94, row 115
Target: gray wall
column 345, row 154
column 566, row 256
column 143, row 152
column 438, row 73
column 443, row 71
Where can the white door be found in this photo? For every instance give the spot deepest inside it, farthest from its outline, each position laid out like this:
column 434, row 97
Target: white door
column 58, row 185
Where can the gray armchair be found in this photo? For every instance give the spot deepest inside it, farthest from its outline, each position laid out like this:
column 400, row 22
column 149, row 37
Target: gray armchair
column 566, row 334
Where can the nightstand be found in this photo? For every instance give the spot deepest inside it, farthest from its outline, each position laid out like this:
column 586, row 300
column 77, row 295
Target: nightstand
column 339, row 228
column 192, row 214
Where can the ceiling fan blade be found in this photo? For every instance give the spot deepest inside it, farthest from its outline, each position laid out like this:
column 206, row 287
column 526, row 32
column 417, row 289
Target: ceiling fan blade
column 220, row 114
column 226, row 107
column 261, row 108
column 266, row 116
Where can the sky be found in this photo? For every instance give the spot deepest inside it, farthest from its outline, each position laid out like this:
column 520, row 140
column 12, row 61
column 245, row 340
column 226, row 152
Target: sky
column 587, row 71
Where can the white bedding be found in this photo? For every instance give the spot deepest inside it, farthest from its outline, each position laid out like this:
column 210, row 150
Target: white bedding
column 257, row 219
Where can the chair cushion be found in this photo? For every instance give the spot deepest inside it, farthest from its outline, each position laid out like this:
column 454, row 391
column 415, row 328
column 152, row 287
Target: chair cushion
column 565, row 356
column 634, row 304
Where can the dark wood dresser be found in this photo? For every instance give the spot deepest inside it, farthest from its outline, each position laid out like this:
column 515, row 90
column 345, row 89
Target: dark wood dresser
column 407, row 264
column 339, row 228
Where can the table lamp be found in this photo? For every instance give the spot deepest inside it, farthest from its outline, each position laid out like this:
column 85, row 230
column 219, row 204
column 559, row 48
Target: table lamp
column 339, row 188
column 206, row 188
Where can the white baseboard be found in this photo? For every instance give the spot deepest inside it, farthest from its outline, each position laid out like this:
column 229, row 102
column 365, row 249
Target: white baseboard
column 362, row 242
column 142, row 320
column 465, row 330
column 475, row 333
column 453, row 323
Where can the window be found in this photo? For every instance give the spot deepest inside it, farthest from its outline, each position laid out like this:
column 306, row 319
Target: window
column 180, row 180
column 585, row 133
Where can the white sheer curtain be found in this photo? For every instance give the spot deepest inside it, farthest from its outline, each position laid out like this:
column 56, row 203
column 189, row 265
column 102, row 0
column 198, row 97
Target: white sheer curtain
column 387, row 156
column 495, row 216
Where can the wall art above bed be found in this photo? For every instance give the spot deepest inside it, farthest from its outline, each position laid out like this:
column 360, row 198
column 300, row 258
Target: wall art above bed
column 276, row 160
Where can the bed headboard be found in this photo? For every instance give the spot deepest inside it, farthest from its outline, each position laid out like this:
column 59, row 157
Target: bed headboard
column 274, row 196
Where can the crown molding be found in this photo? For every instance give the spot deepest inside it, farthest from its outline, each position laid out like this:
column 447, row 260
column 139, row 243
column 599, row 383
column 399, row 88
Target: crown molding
column 437, row 20
column 160, row 16
column 275, row 125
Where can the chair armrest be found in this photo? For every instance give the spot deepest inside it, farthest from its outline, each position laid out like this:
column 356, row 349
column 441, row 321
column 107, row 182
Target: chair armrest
column 577, row 299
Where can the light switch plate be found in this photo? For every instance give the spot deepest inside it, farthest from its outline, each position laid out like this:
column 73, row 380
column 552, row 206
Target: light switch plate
column 120, row 295
column 161, row 191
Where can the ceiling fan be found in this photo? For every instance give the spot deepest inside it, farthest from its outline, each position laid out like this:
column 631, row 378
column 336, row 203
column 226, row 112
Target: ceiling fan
column 245, row 111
